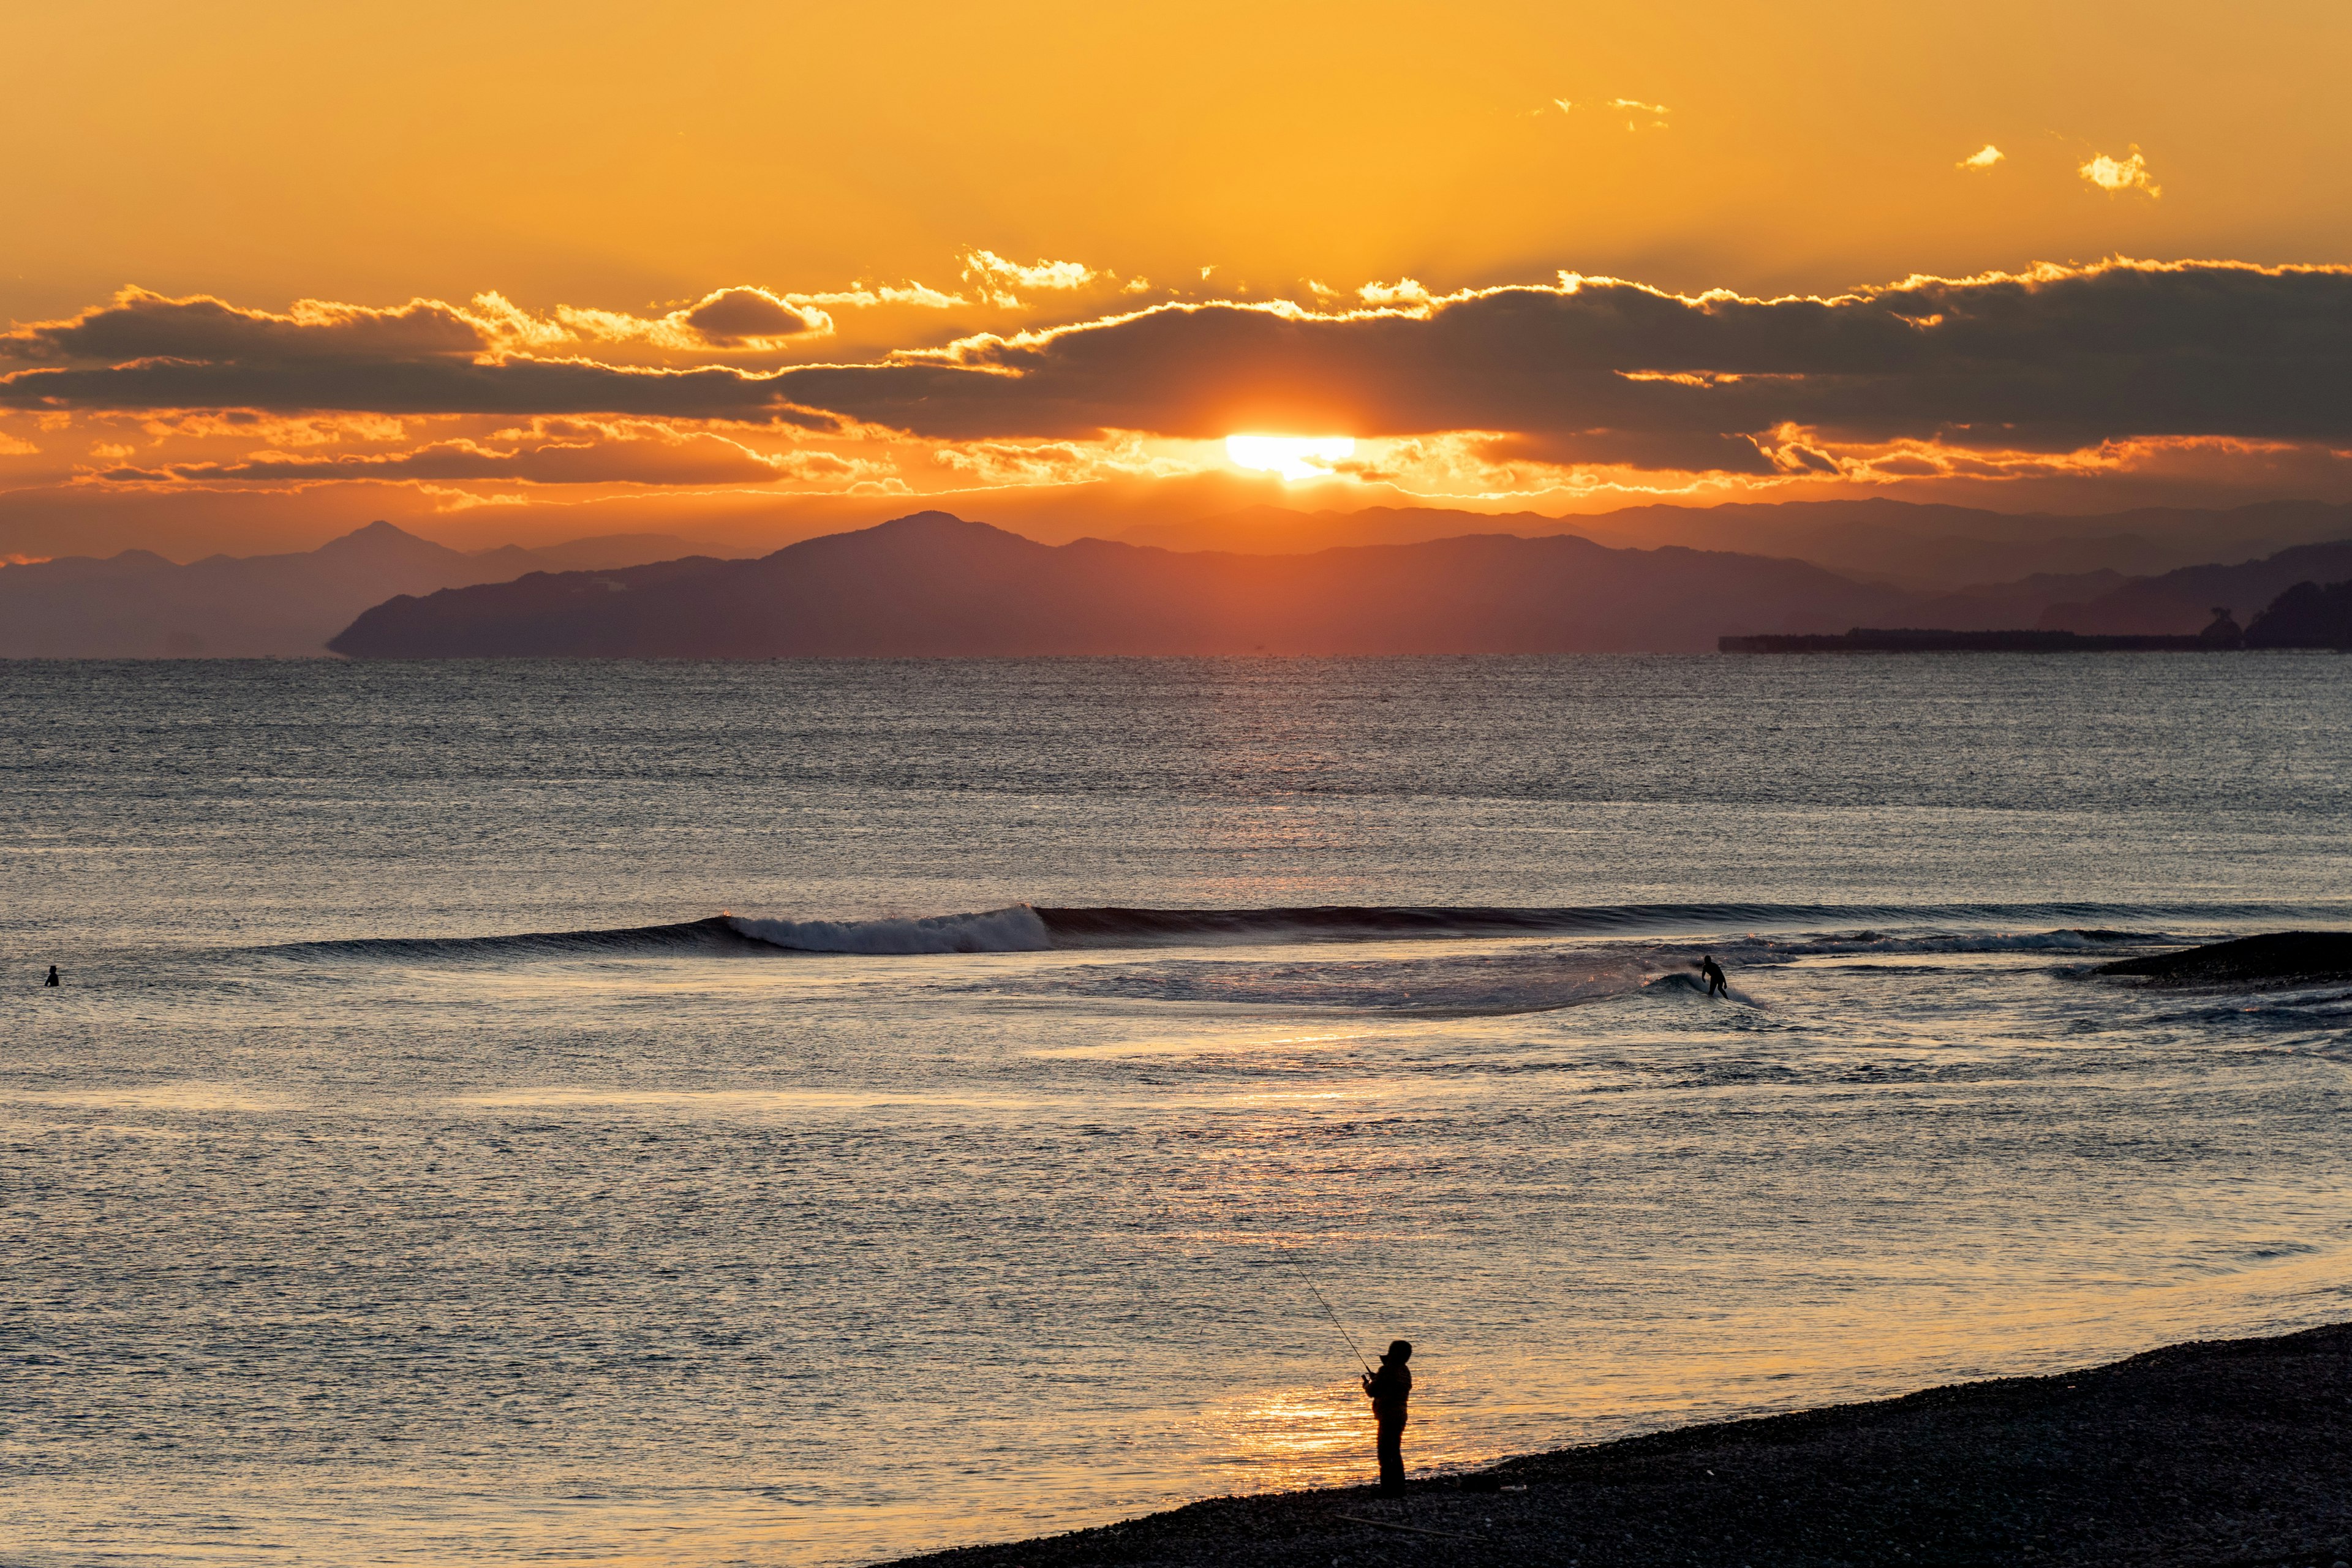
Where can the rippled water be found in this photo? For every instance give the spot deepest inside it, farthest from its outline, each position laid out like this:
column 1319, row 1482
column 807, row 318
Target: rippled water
column 653, row 1240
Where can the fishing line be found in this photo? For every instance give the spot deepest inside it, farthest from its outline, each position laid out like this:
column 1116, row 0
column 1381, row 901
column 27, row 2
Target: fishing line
column 1327, row 1312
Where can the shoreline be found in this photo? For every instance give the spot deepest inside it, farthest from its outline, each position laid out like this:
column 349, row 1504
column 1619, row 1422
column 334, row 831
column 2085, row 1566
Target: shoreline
column 2219, row 1452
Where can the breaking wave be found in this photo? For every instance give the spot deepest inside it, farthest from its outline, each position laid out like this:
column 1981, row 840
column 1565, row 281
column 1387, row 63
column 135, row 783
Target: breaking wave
column 714, row 935
column 1764, row 932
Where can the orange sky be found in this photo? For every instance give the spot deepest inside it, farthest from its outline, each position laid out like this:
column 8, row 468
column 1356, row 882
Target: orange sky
column 571, row 182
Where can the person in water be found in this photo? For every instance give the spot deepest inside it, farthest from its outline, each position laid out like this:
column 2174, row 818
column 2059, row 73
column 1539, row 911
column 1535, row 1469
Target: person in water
column 1388, row 1389
column 1713, row 972
column 52, row 979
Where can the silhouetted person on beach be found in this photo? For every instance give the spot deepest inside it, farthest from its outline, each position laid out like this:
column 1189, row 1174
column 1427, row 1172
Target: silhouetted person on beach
column 52, row 979
column 1713, row 972
column 1388, row 1389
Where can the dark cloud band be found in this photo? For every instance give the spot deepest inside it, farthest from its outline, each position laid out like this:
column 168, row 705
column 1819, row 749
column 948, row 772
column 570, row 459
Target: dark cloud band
column 2055, row 361
column 1595, row 372
column 521, row 387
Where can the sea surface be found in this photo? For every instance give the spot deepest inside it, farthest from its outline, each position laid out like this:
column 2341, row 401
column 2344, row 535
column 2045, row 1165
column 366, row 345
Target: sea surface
column 803, row 1113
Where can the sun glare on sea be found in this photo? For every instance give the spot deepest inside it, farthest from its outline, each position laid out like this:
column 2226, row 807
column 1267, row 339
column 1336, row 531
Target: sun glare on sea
column 1292, row 456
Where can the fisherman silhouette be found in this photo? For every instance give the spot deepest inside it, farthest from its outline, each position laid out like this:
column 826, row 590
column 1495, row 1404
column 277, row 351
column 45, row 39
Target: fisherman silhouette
column 52, row 979
column 1388, row 1389
column 1713, row 972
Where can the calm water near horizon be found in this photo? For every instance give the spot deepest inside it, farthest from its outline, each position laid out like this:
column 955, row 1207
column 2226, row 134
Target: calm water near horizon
column 947, row 1192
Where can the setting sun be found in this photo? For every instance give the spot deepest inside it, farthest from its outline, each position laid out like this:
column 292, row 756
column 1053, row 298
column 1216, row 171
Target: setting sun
column 1292, row 456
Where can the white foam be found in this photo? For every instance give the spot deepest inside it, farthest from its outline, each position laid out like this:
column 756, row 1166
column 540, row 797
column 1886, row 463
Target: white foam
column 1683, row 982
column 1015, row 930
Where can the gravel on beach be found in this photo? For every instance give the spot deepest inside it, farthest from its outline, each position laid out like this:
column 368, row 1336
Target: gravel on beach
column 2234, row 1452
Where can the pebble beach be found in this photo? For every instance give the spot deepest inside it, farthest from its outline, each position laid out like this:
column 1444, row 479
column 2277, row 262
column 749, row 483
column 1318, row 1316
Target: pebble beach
column 2221, row 1453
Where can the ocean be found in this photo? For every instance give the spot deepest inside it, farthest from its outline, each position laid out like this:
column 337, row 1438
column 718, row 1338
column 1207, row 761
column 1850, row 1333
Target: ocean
column 808, row 1112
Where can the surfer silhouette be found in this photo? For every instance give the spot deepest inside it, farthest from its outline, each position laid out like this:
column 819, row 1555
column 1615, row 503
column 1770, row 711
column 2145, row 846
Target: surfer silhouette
column 1713, row 972
column 1388, row 1389
column 52, row 979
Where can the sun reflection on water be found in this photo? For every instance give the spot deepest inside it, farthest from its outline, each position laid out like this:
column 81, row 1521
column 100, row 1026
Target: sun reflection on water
column 1299, row 1437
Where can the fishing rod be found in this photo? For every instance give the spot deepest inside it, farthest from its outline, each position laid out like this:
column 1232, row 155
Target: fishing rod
column 1299, row 1264
column 1327, row 1312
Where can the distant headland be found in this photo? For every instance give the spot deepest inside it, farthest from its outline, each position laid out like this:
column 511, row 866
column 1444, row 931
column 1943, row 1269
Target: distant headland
column 2305, row 616
column 1869, row 639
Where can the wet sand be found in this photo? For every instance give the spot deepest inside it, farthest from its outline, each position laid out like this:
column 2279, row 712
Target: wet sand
column 2225, row 1452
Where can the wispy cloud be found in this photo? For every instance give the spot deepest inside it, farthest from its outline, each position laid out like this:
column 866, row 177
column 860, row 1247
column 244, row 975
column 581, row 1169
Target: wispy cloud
column 1405, row 292
column 1983, row 158
column 1632, row 107
column 1055, row 462
column 251, row 424
column 997, row 278
column 1657, row 112
column 869, row 296
column 2116, row 175
column 635, row 458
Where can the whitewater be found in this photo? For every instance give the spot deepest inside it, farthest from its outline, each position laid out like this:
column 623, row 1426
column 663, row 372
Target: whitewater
column 803, row 1113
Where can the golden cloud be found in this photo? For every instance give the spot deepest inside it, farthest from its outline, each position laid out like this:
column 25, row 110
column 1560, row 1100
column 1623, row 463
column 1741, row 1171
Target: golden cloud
column 1405, row 293
column 274, row 429
column 2115, row 176
column 997, row 278
column 1120, row 453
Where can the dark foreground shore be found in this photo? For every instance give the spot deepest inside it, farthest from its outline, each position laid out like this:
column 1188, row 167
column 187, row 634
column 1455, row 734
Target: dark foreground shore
column 2230, row 1452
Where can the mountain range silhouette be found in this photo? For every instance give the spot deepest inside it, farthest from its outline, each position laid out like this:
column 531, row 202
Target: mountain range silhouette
column 138, row 605
column 932, row 583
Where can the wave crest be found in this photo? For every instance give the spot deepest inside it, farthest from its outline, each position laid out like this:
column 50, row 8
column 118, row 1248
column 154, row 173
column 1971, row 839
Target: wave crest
column 1017, row 929
column 1757, row 933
